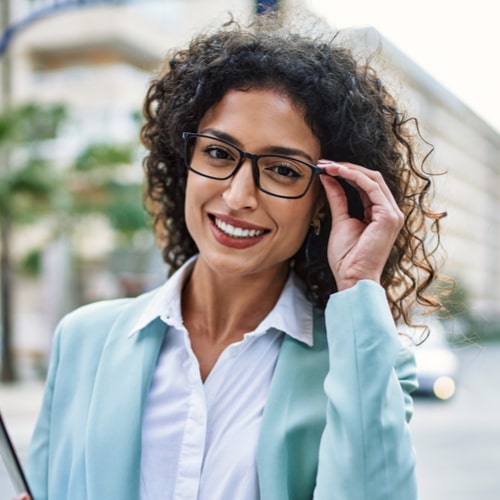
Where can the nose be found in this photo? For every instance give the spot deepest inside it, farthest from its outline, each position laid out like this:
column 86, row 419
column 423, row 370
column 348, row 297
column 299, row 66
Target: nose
column 241, row 192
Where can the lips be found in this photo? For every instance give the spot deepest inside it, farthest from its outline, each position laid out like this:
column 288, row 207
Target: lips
column 236, row 231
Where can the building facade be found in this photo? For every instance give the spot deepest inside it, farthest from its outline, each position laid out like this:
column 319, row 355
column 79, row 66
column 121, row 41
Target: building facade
column 467, row 154
column 98, row 60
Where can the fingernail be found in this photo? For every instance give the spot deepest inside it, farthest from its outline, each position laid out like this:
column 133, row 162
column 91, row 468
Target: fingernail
column 330, row 163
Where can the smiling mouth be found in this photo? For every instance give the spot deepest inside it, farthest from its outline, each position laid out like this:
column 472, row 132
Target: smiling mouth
column 237, row 232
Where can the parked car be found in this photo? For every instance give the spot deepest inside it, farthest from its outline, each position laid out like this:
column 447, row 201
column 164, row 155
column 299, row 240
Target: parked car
column 437, row 364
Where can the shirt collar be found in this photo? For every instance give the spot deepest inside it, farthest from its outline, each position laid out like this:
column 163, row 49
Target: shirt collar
column 166, row 300
column 292, row 314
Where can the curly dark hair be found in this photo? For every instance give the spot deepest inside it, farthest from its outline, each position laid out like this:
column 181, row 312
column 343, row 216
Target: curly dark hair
column 353, row 115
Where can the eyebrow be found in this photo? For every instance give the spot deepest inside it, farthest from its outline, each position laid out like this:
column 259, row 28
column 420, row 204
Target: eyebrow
column 278, row 150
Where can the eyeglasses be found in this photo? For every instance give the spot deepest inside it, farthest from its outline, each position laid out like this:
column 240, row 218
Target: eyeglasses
column 274, row 174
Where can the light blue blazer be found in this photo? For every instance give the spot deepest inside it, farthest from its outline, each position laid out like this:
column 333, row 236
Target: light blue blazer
column 334, row 427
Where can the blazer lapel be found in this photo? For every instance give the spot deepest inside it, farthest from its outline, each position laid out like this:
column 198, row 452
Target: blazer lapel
column 115, row 416
column 294, row 418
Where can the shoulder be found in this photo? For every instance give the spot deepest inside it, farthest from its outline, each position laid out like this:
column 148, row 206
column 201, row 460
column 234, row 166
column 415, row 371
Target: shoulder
column 96, row 312
column 95, row 320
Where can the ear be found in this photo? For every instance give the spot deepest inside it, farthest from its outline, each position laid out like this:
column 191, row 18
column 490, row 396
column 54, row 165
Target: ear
column 320, row 209
column 319, row 212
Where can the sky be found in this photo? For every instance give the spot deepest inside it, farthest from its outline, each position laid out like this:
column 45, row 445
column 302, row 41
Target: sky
column 456, row 42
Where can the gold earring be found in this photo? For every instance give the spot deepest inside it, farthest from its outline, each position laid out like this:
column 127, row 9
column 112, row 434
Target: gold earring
column 316, row 225
column 317, row 217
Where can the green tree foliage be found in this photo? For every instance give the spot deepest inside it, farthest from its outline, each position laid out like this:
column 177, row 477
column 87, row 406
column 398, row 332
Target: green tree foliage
column 100, row 185
column 97, row 181
column 27, row 184
column 27, row 180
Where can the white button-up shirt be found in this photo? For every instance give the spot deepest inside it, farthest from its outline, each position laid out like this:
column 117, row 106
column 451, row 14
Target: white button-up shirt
column 199, row 440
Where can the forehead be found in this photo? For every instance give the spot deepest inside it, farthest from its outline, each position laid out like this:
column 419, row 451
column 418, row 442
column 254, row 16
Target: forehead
column 259, row 117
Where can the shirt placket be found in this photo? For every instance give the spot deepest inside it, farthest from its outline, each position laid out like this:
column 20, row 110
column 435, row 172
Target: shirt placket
column 193, row 443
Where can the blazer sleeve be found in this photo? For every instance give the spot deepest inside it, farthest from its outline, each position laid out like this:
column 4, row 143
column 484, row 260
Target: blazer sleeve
column 366, row 451
column 38, row 459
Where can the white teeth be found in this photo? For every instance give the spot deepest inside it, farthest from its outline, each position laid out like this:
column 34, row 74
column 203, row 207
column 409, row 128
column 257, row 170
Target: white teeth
column 237, row 232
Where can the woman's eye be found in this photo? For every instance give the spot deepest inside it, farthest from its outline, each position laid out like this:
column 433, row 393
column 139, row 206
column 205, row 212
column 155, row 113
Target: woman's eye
column 285, row 171
column 218, row 153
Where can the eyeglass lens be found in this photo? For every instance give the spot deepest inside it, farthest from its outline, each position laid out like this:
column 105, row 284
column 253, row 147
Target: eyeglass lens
column 278, row 175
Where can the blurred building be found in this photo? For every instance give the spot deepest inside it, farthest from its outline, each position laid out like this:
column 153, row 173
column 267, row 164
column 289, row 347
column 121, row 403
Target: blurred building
column 98, row 61
column 467, row 153
column 97, row 58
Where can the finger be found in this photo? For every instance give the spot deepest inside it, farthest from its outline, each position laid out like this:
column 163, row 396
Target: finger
column 377, row 201
column 358, row 177
column 376, row 177
column 336, row 197
column 329, row 164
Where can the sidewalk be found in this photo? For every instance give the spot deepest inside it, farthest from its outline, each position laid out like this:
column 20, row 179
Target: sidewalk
column 20, row 403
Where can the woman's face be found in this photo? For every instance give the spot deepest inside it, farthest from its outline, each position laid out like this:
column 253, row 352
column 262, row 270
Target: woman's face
column 238, row 228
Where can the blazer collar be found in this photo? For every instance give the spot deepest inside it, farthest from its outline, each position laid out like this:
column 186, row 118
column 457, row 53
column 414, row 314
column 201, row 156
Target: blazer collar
column 294, row 418
column 121, row 386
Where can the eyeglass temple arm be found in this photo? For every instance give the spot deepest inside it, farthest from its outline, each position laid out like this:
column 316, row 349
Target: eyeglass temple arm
column 322, row 171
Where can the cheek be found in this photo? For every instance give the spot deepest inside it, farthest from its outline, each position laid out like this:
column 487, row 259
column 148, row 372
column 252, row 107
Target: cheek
column 199, row 192
column 192, row 201
column 295, row 219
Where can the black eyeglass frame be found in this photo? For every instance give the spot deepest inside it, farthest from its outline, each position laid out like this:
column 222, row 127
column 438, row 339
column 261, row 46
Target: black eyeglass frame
column 254, row 159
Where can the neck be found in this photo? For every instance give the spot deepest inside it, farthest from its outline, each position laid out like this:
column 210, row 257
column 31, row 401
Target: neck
column 223, row 308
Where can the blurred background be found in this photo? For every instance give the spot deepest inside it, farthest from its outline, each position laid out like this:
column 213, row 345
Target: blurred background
column 73, row 229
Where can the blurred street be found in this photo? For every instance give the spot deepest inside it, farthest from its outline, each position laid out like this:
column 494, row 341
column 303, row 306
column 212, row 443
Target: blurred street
column 457, row 442
column 19, row 404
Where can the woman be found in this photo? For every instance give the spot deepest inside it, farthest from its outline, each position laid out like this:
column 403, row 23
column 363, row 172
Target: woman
column 287, row 196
